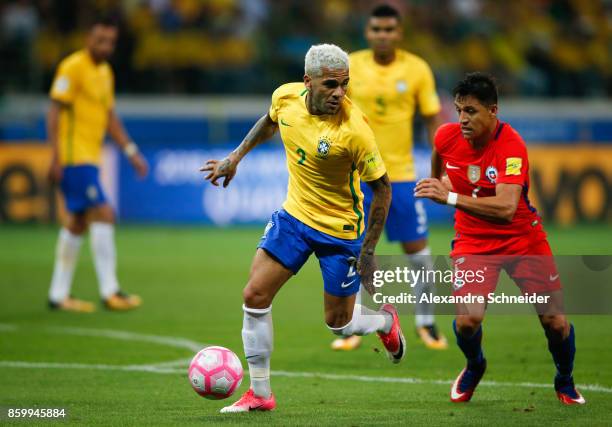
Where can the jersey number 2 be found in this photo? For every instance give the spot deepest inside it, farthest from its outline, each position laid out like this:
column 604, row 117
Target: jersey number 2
column 302, row 154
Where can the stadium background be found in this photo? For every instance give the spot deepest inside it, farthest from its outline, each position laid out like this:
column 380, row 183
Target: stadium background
column 192, row 77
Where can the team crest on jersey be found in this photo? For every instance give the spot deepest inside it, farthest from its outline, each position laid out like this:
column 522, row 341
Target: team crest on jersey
column 401, row 86
column 323, row 147
column 473, row 173
column 491, row 174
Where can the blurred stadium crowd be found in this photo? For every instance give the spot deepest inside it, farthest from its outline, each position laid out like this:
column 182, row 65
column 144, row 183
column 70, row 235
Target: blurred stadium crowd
column 546, row 48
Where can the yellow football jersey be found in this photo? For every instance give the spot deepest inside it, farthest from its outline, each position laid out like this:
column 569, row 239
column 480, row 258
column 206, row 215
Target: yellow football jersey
column 326, row 157
column 388, row 95
column 87, row 90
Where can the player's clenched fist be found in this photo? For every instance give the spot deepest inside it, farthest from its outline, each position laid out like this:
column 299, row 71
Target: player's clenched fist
column 220, row 168
column 431, row 188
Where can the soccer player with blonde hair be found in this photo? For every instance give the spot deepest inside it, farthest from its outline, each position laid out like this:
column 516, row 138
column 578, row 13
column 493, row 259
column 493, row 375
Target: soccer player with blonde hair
column 329, row 148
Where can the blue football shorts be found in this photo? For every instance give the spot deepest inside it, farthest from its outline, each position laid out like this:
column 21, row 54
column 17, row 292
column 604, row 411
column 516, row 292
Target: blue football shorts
column 291, row 242
column 407, row 219
column 81, row 188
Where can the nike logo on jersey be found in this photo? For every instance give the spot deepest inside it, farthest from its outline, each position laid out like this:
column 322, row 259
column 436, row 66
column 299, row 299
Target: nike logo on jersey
column 285, row 124
column 553, row 278
column 449, row 166
column 346, row 285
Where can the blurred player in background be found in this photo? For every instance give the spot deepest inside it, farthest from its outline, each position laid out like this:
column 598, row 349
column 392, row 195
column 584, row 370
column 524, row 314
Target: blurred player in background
column 329, row 147
column 488, row 182
column 387, row 83
column 81, row 112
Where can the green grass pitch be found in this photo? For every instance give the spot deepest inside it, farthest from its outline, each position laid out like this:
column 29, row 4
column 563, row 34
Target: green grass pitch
column 95, row 365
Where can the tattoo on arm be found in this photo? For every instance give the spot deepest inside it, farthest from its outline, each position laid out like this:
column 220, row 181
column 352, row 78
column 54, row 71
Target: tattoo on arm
column 224, row 165
column 378, row 213
column 262, row 130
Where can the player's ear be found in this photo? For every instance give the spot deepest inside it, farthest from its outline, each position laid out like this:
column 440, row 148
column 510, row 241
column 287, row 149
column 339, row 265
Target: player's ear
column 493, row 110
column 307, row 81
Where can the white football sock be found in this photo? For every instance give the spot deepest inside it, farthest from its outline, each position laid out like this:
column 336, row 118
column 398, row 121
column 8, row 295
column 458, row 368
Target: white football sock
column 365, row 321
column 424, row 311
column 105, row 258
column 258, row 339
column 66, row 256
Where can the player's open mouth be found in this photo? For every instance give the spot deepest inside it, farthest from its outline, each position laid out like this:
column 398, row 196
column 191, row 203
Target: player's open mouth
column 466, row 130
column 333, row 104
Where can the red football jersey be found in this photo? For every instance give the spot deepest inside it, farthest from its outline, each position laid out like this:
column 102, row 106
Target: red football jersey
column 475, row 173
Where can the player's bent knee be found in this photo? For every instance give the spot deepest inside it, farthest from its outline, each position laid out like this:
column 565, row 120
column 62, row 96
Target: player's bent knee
column 414, row 246
column 555, row 325
column 468, row 324
column 255, row 298
column 340, row 322
column 77, row 225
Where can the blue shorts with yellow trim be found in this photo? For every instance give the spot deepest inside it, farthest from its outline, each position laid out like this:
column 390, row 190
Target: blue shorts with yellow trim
column 81, row 188
column 407, row 219
column 291, row 242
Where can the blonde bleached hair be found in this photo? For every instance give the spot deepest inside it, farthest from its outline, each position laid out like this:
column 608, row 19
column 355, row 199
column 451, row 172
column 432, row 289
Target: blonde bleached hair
column 322, row 56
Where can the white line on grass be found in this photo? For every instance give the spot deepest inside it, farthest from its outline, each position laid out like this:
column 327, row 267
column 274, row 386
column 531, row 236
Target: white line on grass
column 167, row 367
column 290, row 374
column 130, row 336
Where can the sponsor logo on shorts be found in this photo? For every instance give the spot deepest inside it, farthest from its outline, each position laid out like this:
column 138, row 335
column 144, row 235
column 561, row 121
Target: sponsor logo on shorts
column 346, row 285
column 269, row 225
column 92, row 192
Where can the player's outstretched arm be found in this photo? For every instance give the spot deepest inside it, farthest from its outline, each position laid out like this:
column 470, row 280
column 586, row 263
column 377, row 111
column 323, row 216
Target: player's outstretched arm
column 226, row 168
column 499, row 208
column 381, row 189
column 129, row 147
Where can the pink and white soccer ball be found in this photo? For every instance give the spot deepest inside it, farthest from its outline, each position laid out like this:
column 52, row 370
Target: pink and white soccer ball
column 215, row 372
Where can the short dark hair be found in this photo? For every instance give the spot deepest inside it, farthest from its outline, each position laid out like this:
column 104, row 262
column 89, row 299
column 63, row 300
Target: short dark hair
column 105, row 21
column 385, row 11
column 481, row 86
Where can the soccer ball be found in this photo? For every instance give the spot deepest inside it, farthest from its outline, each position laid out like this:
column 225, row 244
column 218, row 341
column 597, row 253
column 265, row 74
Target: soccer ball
column 215, row 372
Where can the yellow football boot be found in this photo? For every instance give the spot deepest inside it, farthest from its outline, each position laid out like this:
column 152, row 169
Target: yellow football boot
column 74, row 305
column 346, row 344
column 432, row 338
column 122, row 302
